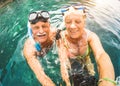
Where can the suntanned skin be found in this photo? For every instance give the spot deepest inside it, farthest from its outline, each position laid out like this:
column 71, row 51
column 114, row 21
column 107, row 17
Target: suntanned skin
column 43, row 35
column 77, row 38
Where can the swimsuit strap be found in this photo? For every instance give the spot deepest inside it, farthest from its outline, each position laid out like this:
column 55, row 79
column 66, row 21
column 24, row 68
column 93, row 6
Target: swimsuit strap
column 88, row 33
column 87, row 53
column 84, row 59
column 67, row 46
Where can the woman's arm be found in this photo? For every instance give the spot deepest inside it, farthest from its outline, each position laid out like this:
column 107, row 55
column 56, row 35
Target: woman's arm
column 103, row 61
column 29, row 53
column 64, row 61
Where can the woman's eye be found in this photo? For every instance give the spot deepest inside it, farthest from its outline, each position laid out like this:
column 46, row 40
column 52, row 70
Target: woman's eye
column 78, row 22
column 68, row 22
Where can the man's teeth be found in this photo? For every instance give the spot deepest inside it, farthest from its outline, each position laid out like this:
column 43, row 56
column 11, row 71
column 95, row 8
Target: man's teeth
column 40, row 35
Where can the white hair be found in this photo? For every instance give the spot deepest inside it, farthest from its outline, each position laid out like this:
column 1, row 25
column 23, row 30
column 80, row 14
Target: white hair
column 72, row 10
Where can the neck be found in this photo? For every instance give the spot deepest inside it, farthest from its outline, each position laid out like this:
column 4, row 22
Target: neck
column 76, row 40
column 72, row 40
column 46, row 44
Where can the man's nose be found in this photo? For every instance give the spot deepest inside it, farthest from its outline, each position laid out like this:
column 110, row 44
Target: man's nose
column 41, row 30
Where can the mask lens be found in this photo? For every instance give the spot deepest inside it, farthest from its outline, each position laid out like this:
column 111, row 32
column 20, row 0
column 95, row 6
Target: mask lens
column 64, row 9
column 45, row 14
column 76, row 5
column 33, row 16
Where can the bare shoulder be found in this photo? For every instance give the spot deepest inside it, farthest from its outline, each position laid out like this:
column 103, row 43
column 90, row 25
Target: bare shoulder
column 92, row 36
column 95, row 44
column 52, row 34
column 29, row 49
column 93, row 39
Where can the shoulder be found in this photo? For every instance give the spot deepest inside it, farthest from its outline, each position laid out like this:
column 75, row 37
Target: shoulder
column 95, row 44
column 29, row 49
column 28, row 43
column 94, row 41
column 91, row 36
column 52, row 35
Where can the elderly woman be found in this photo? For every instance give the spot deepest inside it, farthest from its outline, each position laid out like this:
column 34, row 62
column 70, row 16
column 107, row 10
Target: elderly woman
column 78, row 42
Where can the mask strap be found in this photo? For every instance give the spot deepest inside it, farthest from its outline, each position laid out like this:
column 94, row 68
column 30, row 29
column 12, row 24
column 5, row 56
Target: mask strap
column 36, row 44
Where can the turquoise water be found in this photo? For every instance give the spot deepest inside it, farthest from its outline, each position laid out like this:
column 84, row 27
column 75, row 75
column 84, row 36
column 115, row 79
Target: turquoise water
column 103, row 18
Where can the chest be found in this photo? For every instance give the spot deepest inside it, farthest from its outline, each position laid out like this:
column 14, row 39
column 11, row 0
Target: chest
column 79, row 48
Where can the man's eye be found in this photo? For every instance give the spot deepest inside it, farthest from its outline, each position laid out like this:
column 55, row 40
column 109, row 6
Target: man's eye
column 44, row 26
column 35, row 28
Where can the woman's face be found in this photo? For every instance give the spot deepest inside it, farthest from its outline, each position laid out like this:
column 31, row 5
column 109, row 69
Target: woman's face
column 74, row 23
column 41, row 31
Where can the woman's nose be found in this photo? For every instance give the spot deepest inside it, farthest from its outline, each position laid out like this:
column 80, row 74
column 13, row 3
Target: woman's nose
column 72, row 25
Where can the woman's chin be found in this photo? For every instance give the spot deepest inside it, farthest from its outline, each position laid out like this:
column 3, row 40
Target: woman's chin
column 75, row 36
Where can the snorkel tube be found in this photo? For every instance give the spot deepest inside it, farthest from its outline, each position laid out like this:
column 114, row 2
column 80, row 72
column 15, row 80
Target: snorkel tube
column 36, row 44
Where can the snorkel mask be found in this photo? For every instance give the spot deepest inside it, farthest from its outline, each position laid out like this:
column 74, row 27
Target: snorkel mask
column 36, row 16
column 77, row 6
column 33, row 18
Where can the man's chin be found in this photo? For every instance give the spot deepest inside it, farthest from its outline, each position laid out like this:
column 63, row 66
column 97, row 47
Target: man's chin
column 41, row 41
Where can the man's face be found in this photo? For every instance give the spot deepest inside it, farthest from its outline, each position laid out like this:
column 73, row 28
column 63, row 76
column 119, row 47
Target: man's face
column 74, row 22
column 41, row 31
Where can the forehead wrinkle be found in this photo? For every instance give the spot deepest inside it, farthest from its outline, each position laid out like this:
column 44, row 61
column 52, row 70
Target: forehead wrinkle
column 74, row 11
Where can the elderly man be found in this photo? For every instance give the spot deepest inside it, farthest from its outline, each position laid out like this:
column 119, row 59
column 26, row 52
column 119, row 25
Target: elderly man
column 40, row 50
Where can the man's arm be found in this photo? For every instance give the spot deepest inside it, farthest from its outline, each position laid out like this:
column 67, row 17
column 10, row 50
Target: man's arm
column 29, row 53
column 103, row 61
